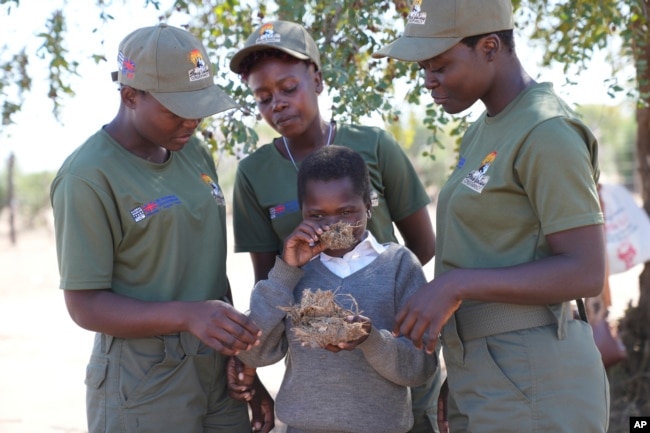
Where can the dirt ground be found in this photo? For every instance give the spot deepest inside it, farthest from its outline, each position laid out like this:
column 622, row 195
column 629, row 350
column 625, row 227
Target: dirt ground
column 43, row 354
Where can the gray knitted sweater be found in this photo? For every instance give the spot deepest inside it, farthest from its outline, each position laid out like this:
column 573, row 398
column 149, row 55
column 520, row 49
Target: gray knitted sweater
column 360, row 391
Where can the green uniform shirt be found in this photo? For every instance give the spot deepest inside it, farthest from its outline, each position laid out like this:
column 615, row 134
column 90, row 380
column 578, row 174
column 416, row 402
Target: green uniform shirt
column 154, row 232
column 523, row 174
column 265, row 205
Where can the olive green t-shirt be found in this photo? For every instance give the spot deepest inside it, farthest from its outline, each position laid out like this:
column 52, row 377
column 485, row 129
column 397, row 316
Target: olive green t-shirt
column 523, row 174
column 154, row 232
column 265, row 205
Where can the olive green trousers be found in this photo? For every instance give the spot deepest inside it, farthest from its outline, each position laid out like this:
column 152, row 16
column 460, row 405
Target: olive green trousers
column 171, row 383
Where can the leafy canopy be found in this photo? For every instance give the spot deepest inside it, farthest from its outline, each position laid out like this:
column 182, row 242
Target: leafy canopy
column 347, row 32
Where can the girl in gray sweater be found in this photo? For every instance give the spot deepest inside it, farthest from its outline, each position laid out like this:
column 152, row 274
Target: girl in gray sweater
column 359, row 386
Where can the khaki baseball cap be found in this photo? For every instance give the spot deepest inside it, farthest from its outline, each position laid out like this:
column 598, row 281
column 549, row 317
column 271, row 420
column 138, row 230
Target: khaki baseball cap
column 434, row 26
column 173, row 66
column 292, row 38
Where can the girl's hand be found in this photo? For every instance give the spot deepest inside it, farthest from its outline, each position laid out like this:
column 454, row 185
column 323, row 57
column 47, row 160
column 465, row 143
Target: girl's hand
column 303, row 244
column 351, row 345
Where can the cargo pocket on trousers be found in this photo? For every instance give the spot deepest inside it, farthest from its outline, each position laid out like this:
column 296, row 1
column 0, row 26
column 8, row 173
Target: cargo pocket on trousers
column 96, row 372
column 96, row 394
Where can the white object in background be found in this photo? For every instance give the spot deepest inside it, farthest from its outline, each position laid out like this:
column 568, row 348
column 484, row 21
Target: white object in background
column 627, row 227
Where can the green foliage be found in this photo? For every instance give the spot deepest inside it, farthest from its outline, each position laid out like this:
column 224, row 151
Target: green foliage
column 347, row 32
column 415, row 138
column 31, row 196
column 4, row 193
column 59, row 66
column 572, row 30
column 13, row 79
column 615, row 128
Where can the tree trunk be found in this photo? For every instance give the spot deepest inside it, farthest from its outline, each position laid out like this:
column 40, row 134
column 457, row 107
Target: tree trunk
column 643, row 157
column 11, row 200
column 642, row 59
column 630, row 380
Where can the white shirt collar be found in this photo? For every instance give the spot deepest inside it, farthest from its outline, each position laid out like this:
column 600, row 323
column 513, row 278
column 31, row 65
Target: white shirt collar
column 361, row 256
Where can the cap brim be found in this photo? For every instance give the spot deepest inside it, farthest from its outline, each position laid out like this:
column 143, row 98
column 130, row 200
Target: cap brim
column 239, row 57
column 196, row 104
column 412, row 49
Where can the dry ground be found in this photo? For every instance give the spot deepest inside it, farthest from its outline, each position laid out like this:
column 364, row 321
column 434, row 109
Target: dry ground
column 43, row 354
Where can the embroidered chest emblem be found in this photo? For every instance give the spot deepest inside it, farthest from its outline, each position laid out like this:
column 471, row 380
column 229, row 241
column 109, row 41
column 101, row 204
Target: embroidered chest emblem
column 216, row 191
column 477, row 179
column 146, row 210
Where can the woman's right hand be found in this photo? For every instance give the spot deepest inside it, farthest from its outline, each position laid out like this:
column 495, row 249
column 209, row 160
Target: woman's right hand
column 428, row 309
column 220, row 326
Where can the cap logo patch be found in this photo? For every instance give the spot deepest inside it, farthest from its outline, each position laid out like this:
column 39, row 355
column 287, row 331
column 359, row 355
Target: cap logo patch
column 200, row 70
column 126, row 66
column 416, row 16
column 267, row 35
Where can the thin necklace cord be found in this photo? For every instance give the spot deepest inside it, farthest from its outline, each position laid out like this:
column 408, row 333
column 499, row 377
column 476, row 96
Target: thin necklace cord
column 286, row 145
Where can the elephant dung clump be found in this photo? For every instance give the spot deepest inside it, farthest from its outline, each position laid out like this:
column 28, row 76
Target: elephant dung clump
column 339, row 236
column 319, row 320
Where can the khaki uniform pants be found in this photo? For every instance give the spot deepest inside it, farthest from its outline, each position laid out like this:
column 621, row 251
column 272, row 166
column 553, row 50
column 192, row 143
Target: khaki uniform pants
column 170, row 383
column 527, row 381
